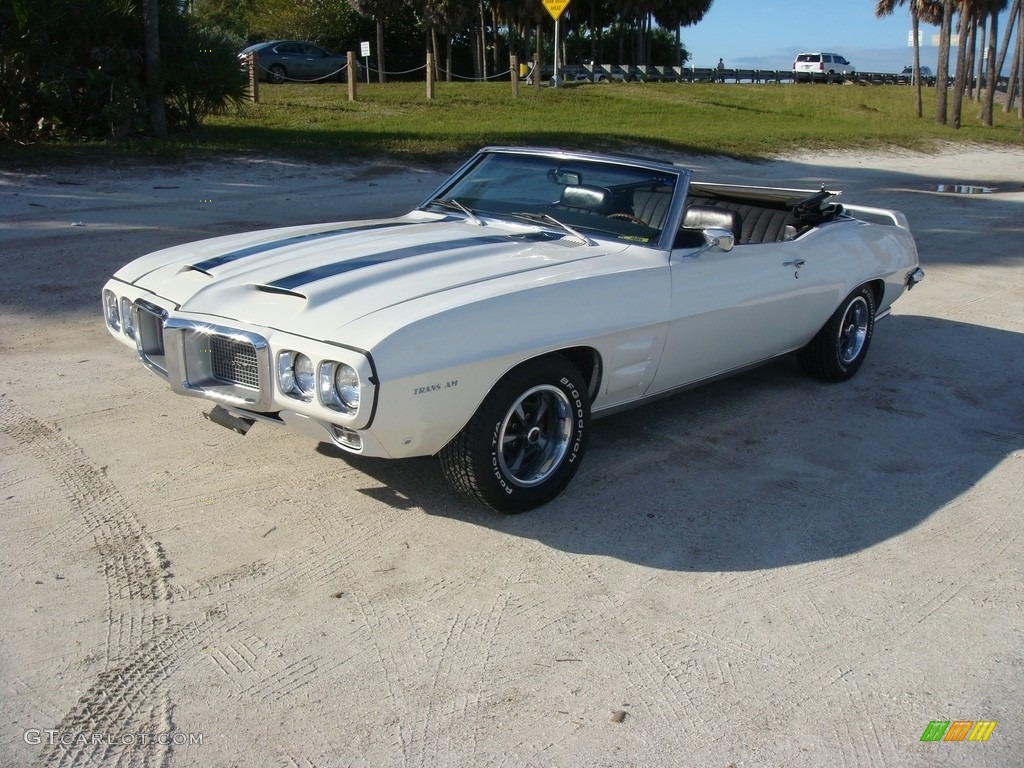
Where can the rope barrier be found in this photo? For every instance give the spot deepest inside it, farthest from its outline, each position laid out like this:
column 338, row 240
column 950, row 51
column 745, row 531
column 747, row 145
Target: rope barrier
column 475, row 79
column 275, row 78
column 405, row 72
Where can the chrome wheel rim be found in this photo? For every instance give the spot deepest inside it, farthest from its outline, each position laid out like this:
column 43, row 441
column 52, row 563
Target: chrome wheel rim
column 535, row 436
column 853, row 332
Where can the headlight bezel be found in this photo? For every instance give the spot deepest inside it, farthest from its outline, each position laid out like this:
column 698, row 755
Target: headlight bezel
column 112, row 310
column 339, row 394
column 127, row 320
column 352, row 403
column 296, row 384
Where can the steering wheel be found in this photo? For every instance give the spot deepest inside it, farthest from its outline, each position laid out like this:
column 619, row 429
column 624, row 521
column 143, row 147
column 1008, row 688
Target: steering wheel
column 628, row 217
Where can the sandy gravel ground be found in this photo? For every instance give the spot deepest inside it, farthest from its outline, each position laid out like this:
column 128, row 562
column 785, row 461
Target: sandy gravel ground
column 764, row 572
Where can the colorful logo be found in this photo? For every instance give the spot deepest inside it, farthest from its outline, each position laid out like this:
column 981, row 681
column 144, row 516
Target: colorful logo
column 958, row 730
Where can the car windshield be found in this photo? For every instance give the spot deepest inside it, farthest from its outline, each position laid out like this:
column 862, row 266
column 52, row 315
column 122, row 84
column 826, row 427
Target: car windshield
column 628, row 202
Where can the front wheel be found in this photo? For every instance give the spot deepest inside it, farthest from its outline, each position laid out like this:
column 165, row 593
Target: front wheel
column 525, row 441
column 839, row 348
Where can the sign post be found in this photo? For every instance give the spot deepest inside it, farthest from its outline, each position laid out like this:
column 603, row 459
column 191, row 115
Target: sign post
column 364, row 51
column 555, row 8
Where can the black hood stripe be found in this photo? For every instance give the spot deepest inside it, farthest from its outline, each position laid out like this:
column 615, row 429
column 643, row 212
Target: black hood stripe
column 298, row 280
column 252, row 250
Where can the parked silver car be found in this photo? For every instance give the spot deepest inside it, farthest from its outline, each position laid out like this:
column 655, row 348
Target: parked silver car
column 907, row 76
column 280, row 61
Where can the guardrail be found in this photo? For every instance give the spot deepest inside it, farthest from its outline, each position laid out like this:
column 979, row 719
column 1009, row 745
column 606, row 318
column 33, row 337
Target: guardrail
column 598, row 73
column 610, row 73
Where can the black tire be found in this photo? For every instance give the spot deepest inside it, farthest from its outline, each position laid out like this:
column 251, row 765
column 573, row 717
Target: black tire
column 276, row 74
column 839, row 348
column 525, row 441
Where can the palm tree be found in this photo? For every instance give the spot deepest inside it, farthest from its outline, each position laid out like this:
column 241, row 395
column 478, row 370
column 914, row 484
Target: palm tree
column 446, row 17
column 942, row 75
column 377, row 10
column 965, row 28
column 1018, row 71
column 928, row 10
column 971, row 13
column 674, row 14
column 992, row 67
column 1016, row 15
column 154, row 87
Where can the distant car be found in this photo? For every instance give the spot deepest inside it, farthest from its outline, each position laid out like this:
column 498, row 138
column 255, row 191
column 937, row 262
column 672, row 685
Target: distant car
column 907, row 75
column 281, row 61
column 821, row 67
column 531, row 291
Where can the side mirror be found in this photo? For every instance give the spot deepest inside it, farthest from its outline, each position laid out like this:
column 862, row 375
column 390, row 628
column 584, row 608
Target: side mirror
column 719, row 239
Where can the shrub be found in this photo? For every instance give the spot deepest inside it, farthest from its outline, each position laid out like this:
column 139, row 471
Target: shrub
column 74, row 69
column 202, row 73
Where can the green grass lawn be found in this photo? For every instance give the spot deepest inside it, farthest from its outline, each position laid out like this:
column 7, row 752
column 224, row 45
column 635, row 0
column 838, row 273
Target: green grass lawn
column 317, row 121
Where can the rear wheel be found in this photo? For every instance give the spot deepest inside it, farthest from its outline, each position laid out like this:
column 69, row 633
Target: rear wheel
column 839, row 348
column 525, row 441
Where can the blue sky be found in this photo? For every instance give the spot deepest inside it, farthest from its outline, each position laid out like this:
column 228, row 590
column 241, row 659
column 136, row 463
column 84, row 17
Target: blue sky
column 757, row 34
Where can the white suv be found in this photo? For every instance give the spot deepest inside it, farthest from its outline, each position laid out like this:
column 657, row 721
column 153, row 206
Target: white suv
column 827, row 67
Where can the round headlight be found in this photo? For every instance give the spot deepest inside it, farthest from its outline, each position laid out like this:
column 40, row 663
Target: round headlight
column 304, row 376
column 295, row 374
column 339, row 387
column 346, row 386
column 110, row 310
column 127, row 324
column 285, row 372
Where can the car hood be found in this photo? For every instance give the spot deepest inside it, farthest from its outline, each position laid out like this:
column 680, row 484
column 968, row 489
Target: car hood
column 317, row 279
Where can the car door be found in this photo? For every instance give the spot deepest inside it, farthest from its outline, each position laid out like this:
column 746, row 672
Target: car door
column 318, row 64
column 733, row 309
column 290, row 56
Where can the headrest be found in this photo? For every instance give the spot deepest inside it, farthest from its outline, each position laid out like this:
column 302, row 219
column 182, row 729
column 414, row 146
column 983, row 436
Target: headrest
column 704, row 216
column 597, row 199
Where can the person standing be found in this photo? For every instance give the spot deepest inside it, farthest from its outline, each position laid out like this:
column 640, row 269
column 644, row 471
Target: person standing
column 721, row 71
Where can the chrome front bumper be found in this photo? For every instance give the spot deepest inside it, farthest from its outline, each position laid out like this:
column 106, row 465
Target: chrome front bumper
column 227, row 365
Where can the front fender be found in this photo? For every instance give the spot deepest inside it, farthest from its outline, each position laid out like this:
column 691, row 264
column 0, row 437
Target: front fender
column 435, row 371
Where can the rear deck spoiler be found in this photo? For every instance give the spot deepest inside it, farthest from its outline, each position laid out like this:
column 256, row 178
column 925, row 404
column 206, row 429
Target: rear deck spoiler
column 878, row 215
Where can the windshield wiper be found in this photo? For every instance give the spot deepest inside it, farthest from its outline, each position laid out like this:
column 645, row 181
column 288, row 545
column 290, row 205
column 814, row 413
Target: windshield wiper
column 547, row 218
column 451, row 202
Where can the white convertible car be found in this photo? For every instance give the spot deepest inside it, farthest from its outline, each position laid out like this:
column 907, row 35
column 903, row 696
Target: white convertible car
column 534, row 290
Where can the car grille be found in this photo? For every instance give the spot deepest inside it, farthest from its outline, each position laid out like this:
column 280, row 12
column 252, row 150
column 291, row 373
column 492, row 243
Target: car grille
column 234, row 362
column 226, row 364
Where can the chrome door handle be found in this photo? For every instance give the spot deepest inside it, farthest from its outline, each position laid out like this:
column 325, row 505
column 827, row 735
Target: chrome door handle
column 796, row 263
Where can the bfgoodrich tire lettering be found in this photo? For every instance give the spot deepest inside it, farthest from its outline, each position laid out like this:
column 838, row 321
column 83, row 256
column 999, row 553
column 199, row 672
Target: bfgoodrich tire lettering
column 525, row 441
column 839, row 348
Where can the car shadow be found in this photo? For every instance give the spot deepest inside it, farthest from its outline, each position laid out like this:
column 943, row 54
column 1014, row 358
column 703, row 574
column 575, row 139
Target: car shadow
column 770, row 469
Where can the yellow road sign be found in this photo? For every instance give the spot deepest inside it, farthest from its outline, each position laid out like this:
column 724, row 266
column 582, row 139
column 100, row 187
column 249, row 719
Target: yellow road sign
column 555, row 7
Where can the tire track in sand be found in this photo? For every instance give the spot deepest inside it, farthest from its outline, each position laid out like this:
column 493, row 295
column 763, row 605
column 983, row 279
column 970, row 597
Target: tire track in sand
column 130, row 695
